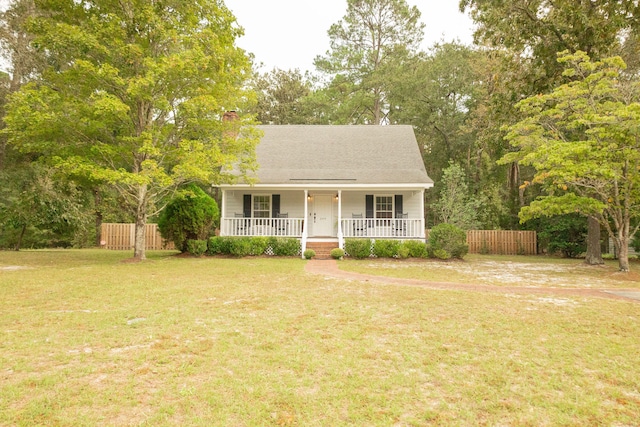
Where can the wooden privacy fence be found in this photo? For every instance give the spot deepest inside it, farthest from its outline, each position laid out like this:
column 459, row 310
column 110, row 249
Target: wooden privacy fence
column 501, row 242
column 122, row 237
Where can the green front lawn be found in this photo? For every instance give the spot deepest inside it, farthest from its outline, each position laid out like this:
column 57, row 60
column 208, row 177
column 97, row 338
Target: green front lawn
column 86, row 339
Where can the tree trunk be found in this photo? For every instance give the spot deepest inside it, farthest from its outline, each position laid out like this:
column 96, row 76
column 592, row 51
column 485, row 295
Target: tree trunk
column 22, row 232
column 623, row 254
column 594, row 252
column 141, row 222
column 97, row 201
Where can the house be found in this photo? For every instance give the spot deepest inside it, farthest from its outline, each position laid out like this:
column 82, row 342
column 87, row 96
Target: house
column 328, row 183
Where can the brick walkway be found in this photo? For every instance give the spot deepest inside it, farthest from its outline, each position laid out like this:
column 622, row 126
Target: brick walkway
column 329, row 268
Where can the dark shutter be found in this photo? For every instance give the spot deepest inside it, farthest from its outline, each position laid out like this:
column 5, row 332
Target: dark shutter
column 398, row 203
column 275, row 205
column 369, row 205
column 246, row 206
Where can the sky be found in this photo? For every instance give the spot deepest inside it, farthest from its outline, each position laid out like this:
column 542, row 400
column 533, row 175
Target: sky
column 289, row 34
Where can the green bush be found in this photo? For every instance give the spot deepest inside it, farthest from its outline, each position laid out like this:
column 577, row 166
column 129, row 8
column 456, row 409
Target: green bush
column 358, row 248
column 403, row 252
column 240, row 246
column 441, row 254
column 449, row 238
column 196, row 247
column 259, row 245
column 416, row 248
column 218, row 245
column 309, row 253
column 565, row 234
column 386, row 248
column 190, row 215
column 284, row 246
column 337, row 253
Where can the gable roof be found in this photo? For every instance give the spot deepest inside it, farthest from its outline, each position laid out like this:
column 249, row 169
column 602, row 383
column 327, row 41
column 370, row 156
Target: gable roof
column 330, row 154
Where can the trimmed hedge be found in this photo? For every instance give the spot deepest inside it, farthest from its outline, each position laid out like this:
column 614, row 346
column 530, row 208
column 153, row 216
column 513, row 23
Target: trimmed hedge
column 386, row 248
column 284, row 246
column 416, row 248
column 358, row 248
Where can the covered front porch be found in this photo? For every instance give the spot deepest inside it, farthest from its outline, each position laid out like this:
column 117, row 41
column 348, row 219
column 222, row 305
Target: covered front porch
column 321, row 213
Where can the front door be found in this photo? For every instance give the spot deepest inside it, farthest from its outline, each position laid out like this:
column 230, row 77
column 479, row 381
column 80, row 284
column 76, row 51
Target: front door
column 322, row 215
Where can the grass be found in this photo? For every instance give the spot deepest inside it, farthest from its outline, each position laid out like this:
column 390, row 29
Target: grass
column 86, row 339
column 530, row 271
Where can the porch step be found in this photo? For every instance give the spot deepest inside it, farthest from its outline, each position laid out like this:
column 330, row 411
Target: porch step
column 322, row 249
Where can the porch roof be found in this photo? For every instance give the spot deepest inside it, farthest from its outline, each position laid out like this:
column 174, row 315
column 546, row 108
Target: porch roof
column 355, row 155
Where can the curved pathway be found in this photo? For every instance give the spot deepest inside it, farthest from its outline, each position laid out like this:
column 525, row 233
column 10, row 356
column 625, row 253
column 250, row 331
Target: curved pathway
column 330, row 268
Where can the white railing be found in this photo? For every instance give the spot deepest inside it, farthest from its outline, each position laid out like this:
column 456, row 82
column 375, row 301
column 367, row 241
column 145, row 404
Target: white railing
column 378, row 228
column 281, row 227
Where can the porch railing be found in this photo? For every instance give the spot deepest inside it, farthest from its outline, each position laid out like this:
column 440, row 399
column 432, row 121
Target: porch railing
column 281, row 227
column 379, row 228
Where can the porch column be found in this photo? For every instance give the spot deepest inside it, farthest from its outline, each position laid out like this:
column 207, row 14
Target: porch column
column 340, row 234
column 305, row 223
column 423, row 233
column 223, row 214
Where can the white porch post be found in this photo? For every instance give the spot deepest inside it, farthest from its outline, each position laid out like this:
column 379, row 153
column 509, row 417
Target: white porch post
column 422, row 223
column 305, row 223
column 223, row 214
column 340, row 234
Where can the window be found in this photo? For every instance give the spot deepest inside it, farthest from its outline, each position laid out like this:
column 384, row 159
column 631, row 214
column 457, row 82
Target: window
column 384, row 207
column 261, row 206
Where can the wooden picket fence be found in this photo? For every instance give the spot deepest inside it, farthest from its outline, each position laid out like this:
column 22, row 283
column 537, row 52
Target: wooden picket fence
column 501, row 242
column 122, row 237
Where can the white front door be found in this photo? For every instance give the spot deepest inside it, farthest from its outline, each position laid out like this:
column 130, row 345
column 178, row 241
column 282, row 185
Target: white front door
column 322, row 215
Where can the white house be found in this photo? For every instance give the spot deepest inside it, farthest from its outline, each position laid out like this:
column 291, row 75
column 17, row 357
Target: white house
column 328, row 183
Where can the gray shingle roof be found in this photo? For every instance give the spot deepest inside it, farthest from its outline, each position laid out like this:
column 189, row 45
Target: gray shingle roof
column 298, row 154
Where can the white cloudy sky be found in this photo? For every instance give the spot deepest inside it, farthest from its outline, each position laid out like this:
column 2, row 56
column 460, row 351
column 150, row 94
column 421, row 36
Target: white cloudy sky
column 289, row 34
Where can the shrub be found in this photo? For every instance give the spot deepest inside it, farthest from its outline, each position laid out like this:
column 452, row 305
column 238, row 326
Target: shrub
column 358, row 248
column 403, row 252
column 284, row 246
column 258, row 245
column 337, row 253
column 309, row 253
column 566, row 234
column 441, row 254
column 449, row 238
column 416, row 248
column 219, row 245
column 240, row 246
column 385, row 248
column 190, row 215
column 196, row 247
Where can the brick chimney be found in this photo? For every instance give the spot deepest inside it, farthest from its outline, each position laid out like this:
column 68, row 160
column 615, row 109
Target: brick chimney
column 230, row 116
column 230, row 124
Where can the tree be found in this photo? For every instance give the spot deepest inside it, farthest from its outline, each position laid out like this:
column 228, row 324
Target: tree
column 583, row 139
column 190, row 215
column 456, row 206
column 368, row 46
column 281, row 97
column 134, row 97
column 39, row 205
column 527, row 35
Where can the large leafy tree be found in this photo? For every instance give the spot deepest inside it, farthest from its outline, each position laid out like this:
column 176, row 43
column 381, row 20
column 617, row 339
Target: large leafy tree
column 280, row 97
column 583, row 141
column 527, row 35
column 368, row 46
column 135, row 95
